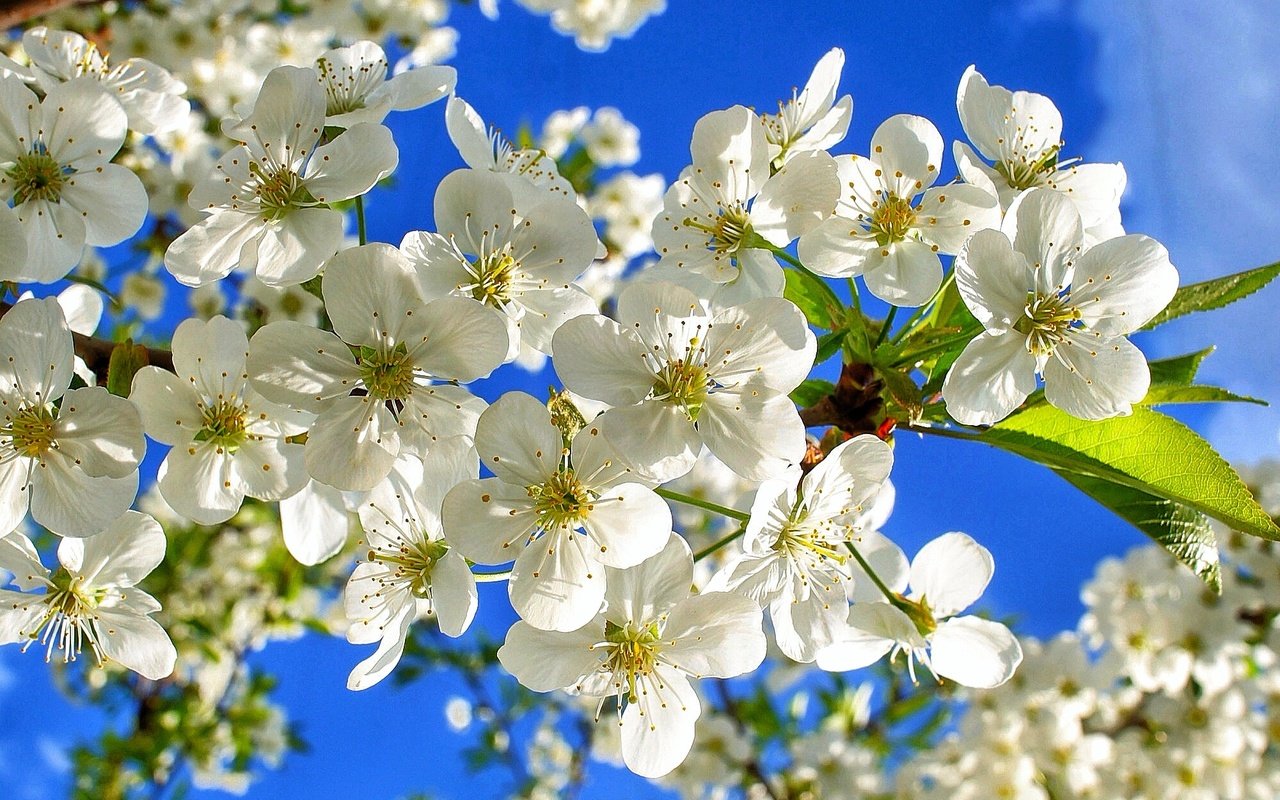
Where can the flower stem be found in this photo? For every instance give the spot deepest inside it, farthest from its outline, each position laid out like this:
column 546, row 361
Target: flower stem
column 705, row 505
column 491, row 577
column 360, row 229
column 885, row 326
column 895, row 599
column 714, row 546
column 911, row 325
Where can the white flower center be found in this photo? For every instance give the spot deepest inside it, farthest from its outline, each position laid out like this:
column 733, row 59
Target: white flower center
column 224, row 424
column 730, row 231
column 563, row 501
column 279, row 191
column 347, row 86
column 1025, row 170
column 1046, row 321
column 892, row 219
column 494, row 275
column 633, row 654
column 683, row 383
column 387, row 374
column 32, row 431
column 69, row 620
column 37, row 176
column 410, row 563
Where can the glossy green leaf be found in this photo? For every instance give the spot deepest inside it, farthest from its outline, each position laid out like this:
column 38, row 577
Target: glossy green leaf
column 807, row 292
column 1184, row 532
column 1178, row 370
column 1147, row 451
column 1215, row 293
column 811, row 392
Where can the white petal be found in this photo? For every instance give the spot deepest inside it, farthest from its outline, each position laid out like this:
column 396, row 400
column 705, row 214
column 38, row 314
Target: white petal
column 756, row 431
column 390, row 647
column 731, row 146
column 459, row 339
column 300, row 366
column 598, row 359
column 292, row 250
column 1096, row 378
column 768, row 338
column 796, row 199
column 112, row 201
column 657, row 731
column 544, row 660
column 888, row 561
column 135, row 642
column 1122, row 283
column 211, row 248
column 70, row 503
column 517, row 441
column 35, row 343
column 270, row 469
column 950, row 573
column 659, row 442
column 909, row 151
column 836, row 248
column 102, row 433
column 198, row 481
column 122, row 555
column 906, row 273
column 315, row 523
column 556, row 584
column 468, row 134
column 488, row 520
column 453, row 594
column 651, row 588
column 719, row 635
column 83, row 125
column 353, row 444
column 992, row 376
column 874, row 628
column 1045, row 227
column 993, row 280
column 628, row 523
column 351, row 164
column 974, row 652
column 211, row 356
column 950, row 214
column 55, row 240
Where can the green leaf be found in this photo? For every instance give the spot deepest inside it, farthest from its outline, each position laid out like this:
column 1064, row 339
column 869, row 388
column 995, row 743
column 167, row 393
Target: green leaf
column 1215, row 293
column 807, row 292
column 811, row 391
column 1160, row 394
column 1146, row 451
column 126, row 359
column 828, row 345
column 903, row 391
column 1178, row 370
column 1183, row 531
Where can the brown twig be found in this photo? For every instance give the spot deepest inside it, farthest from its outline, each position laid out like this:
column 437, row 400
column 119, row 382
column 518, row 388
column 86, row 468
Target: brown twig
column 15, row 12
column 96, row 353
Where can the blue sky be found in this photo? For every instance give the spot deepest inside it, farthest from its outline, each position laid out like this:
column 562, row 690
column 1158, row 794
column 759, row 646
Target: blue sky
column 1185, row 97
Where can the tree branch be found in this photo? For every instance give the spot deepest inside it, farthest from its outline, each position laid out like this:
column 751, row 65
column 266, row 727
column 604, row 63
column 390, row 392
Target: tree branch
column 96, row 352
column 15, row 12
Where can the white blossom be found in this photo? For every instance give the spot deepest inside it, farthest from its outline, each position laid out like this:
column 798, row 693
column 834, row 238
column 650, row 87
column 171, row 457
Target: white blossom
column 92, row 600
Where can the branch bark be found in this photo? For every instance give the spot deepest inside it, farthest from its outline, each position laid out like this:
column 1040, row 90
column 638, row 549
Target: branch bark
column 15, row 12
column 96, row 352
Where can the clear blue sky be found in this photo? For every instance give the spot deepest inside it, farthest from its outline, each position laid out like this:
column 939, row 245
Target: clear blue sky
column 1186, row 97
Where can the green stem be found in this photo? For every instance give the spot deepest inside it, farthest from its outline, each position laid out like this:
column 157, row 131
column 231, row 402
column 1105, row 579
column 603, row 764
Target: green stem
column 910, row 325
column 360, row 229
column 830, row 293
column 889, row 594
column 705, row 505
column 946, row 433
column 912, row 356
column 491, row 577
column 714, row 546
column 885, row 326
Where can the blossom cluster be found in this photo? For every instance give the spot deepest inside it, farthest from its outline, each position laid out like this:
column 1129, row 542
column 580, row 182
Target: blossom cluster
column 363, row 399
